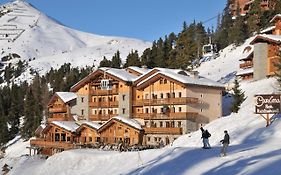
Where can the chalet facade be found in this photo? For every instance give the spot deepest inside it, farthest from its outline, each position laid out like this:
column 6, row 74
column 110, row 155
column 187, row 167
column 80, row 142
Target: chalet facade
column 245, row 5
column 258, row 62
column 137, row 106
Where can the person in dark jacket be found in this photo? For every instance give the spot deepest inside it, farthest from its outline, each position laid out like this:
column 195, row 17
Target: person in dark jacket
column 225, row 143
column 205, row 137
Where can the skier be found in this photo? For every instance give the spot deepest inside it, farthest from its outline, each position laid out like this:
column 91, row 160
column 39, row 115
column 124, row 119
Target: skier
column 225, row 143
column 205, row 137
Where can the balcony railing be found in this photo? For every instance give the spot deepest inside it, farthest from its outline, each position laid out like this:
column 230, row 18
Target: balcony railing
column 162, row 130
column 49, row 120
column 50, row 144
column 102, row 117
column 104, row 92
column 246, row 65
column 162, row 101
column 108, row 104
column 171, row 116
column 58, row 108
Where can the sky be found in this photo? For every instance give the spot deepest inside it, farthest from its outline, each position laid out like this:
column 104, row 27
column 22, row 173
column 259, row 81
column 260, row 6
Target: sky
column 147, row 20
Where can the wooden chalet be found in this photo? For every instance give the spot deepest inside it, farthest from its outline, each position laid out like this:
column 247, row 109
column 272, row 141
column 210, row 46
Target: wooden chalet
column 246, row 67
column 59, row 106
column 57, row 136
column 87, row 133
column 121, row 129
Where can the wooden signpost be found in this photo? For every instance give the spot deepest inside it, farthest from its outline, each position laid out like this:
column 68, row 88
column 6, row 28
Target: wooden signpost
column 267, row 104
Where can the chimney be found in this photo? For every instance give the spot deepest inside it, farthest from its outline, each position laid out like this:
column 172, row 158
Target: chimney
column 194, row 74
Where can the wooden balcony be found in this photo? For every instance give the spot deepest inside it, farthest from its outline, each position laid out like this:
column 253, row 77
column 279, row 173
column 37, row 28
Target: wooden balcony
column 171, row 116
column 55, row 109
column 246, row 65
column 167, row 101
column 174, row 131
column 49, row 144
column 101, row 117
column 104, row 92
column 49, row 120
column 109, row 104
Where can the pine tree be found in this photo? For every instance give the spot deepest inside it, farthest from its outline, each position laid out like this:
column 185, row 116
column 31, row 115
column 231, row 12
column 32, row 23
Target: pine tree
column 105, row 63
column 132, row 59
column 116, row 60
column 238, row 97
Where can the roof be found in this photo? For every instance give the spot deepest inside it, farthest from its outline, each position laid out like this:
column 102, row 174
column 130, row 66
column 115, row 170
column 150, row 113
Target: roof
column 246, row 53
column 177, row 74
column 66, row 96
column 128, row 121
column 139, row 69
column 245, row 71
column 267, row 29
column 67, row 125
column 120, row 73
column 270, row 38
column 275, row 17
column 92, row 124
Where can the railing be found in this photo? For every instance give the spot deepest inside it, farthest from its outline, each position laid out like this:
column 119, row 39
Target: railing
column 50, row 144
column 171, row 116
column 104, row 92
column 162, row 130
column 49, row 120
column 246, row 65
column 161, row 101
column 102, row 117
column 58, row 108
column 108, row 104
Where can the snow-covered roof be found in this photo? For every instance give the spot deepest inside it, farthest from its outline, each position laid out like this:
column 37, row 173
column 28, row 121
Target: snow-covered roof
column 276, row 16
column 120, row 73
column 92, row 124
column 267, row 29
column 247, row 53
column 67, row 125
column 139, row 69
column 131, row 122
column 276, row 38
column 245, row 71
column 66, row 96
column 185, row 79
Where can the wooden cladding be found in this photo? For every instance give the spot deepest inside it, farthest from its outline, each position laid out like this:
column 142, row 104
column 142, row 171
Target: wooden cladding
column 245, row 65
column 106, row 104
column 162, row 130
column 58, row 108
column 171, row 116
column 101, row 117
column 162, row 101
column 49, row 144
column 104, row 92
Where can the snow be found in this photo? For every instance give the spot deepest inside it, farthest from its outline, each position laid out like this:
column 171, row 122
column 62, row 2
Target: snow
column 68, row 125
column 183, row 78
column 66, row 96
column 267, row 29
column 245, row 71
column 276, row 16
column 46, row 44
column 139, row 70
column 94, row 125
column 254, row 149
column 131, row 122
column 120, row 73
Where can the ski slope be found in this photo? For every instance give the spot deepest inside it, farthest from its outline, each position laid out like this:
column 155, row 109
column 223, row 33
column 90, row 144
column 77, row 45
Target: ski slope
column 254, row 149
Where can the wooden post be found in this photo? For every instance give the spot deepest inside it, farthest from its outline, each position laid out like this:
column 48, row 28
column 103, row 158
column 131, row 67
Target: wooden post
column 267, row 120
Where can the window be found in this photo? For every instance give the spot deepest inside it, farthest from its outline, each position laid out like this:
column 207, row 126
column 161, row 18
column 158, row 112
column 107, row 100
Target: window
column 161, row 81
column 123, row 110
column 82, row 99
column 165, row 81
column 173, row 95
column 138, row 96
column 167, row 125
column 148, row 138
column 115, row 111
column 68, row 139
column 179, row 124
column 95, row 111
column 168, row 95
column 161, row 95
column 161, row 124
column 155, row 139
column 179, row 94
column 201, row 110
column 146, row 110
column 82, row 112
column 172, row 124
column 201, row 95
column 94, row 99
column 57, row 137
column 90, row 139
column 123, row 97
column 179, row 109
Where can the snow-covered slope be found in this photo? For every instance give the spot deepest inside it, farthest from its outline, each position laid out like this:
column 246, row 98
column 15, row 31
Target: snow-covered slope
column 45, row 43
column 254, row 149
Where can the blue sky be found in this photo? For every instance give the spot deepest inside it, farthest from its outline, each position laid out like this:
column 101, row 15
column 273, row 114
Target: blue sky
column 143, row 19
